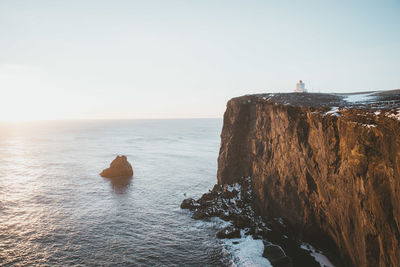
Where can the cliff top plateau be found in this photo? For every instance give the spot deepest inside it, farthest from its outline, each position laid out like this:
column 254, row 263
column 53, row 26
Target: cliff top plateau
column 372, row 99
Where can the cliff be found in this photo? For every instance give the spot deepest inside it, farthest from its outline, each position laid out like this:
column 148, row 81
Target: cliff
column 327, row 163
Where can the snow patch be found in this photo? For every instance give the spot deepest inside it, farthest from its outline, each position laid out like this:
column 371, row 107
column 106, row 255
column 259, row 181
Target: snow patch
column 359, row 98
column 333, row 111
column 394, row 115
column 318, row 256
column 235, row 186
column 238, row 188
column 369, row 125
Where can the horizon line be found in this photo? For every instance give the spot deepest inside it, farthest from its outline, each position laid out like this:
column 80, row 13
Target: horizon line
column 104, row 119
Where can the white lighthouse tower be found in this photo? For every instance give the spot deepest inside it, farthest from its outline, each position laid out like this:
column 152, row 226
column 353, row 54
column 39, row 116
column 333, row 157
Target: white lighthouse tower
column 300, row 87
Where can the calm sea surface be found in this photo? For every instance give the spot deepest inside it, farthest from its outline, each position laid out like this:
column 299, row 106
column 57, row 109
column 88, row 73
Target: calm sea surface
column 56, row 210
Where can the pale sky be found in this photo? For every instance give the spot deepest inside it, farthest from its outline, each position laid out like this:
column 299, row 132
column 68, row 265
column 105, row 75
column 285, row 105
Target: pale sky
column 185, row 59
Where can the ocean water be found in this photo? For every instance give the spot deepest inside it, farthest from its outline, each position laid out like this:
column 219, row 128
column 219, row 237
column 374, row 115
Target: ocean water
column 56, row 210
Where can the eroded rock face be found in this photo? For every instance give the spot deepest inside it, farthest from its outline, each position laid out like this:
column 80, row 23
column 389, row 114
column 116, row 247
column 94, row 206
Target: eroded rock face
column 334, row 175
column 119, row 167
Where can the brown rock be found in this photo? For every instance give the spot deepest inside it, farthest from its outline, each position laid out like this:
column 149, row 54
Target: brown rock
column 119, row 167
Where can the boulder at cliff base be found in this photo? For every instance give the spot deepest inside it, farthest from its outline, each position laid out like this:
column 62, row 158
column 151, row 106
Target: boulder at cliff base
column 119, row 167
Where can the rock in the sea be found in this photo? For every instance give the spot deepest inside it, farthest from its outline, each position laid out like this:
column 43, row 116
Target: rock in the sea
column 229, row 232
column 277, row 256
column 190, row 204
column 119, row 167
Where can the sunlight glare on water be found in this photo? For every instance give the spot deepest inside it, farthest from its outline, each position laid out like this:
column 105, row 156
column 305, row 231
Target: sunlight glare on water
column 56, row 210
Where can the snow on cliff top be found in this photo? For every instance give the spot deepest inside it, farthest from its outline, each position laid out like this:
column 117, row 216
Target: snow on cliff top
column 359, row 98
column 365, row 104
column 376, row 100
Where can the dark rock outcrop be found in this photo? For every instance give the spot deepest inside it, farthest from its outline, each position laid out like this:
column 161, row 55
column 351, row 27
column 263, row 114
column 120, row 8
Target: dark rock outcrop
column 229, row 232
column 235, row 204
column 277, row 256
column 331, row 173
column 119, row 167
column 190, row 204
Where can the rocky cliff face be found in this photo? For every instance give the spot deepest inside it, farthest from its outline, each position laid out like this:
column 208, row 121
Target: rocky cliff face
column 331, row 167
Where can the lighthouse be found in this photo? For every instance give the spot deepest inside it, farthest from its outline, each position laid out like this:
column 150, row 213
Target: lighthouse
column 300, row 87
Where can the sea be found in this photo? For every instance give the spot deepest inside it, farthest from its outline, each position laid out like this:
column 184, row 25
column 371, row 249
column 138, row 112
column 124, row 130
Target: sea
column 55, row 209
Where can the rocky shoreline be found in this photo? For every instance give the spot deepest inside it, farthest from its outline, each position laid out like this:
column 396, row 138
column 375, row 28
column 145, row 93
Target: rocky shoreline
column 235, row 204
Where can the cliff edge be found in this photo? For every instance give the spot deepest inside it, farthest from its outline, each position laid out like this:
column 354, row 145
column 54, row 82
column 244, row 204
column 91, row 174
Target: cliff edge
column 327, row 163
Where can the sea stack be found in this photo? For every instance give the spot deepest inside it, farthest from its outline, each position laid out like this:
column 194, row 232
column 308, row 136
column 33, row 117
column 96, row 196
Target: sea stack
column 119, row 167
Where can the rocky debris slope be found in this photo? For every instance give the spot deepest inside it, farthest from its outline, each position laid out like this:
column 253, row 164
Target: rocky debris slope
column 328, row 164
column 234, row 204
column 119, row 167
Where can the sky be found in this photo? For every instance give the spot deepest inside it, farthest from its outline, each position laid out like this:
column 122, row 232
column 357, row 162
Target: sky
column 185, row 59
